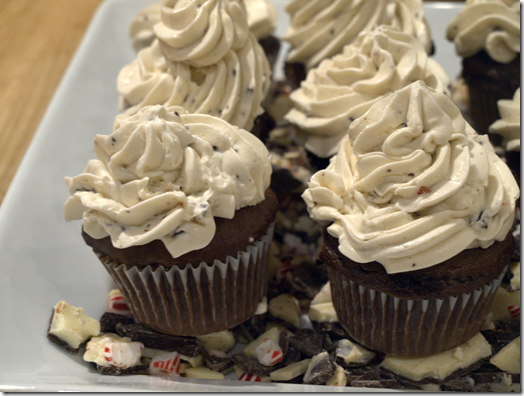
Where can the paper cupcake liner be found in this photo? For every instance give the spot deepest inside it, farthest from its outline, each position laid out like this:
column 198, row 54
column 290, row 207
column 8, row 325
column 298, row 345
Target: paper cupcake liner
column 196, row 300
column 409, row 327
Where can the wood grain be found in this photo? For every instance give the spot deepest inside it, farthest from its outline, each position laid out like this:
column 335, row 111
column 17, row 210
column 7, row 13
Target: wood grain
column 39, row 38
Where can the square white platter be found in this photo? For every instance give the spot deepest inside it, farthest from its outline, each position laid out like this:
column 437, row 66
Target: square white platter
column 44, row 259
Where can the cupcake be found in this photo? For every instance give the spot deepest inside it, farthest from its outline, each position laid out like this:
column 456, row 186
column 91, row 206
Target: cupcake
column 344, row 87
column 508, row 127
column 486, row 34
column 177, row 208
column 204, row 59
column 320, row 29
column 418, row 211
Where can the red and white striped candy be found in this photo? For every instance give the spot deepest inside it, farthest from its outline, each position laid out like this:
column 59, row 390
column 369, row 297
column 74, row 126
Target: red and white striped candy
column 269, row 352
column 249, row 377
column 118, row 305
column 514, row 311
column 166, row 364
column 123, row 354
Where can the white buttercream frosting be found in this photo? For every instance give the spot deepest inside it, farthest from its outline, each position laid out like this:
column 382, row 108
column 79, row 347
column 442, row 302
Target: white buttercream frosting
column 141, row 29
column 508, row 126
column 165, row 174
column 413, row 185
column 490, row 25
column 261, row 20
column 320, row 29
column 200, row 33
column 344, row 87
column 232, row 89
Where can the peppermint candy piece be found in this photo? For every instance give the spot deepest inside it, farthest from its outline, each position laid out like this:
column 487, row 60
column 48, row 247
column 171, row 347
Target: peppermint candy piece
column 514, row 311
column 165, row 364
column 123, row 354
column 249, row 378
column 268, row 352
column 117, row 304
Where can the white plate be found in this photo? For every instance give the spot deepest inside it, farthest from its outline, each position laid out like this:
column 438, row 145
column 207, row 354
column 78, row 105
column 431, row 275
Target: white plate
column 44, row 259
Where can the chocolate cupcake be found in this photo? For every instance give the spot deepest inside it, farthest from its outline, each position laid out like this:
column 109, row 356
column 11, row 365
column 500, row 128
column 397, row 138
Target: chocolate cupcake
column 320, row 29
column 177, row 208
column 486, row 35
column 204, row 59
column 345, row 86
column 418, row 211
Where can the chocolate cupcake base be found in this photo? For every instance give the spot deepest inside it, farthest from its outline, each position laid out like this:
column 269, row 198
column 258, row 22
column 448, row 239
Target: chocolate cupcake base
column 195, row 300
column 405, row 327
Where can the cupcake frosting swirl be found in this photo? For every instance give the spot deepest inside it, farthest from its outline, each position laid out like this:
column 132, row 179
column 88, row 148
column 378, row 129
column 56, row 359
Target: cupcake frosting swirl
column 233, row 88
column 413, row 185
column 165, row 174
column 201, row 32
column 508, row 126
column 490, row 25
column 320, row 29
column 345, row 86
column 141, row 29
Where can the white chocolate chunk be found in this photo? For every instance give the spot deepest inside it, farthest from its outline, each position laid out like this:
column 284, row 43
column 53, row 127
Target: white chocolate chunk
column 441, row 365
column 323, row 312
column 350, row 352
column 261, row 307
column 183, row 368
column 339, row 378
column 268, row 352
column 221, row 340
column 323, row 296
column 123, row 354
column 203, row 372
column 514, row 282
column 72, row 325
column 285, row 307
column 272, row 334
column 499, row 308
column 96, row 346
column 291, row 371
column 194, row 361
column 508, row 358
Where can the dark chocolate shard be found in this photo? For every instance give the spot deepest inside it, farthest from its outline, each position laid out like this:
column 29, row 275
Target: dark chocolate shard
column 109, row 320
column 308, row 342
column 291, row 356
column 220, row 364
column 482, row 376
column 309, row 279
column 378, row 384
column 498, row 339
column 320, row 370
column 507, row 325
column 251, row 365
column 334, row 329
column 111, row 370
column 462, row 384
column 327, row 343
column 57, row 340
column 187, row 346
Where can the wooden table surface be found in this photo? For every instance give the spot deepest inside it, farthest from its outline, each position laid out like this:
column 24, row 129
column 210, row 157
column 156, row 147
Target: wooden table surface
column 38, row 39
